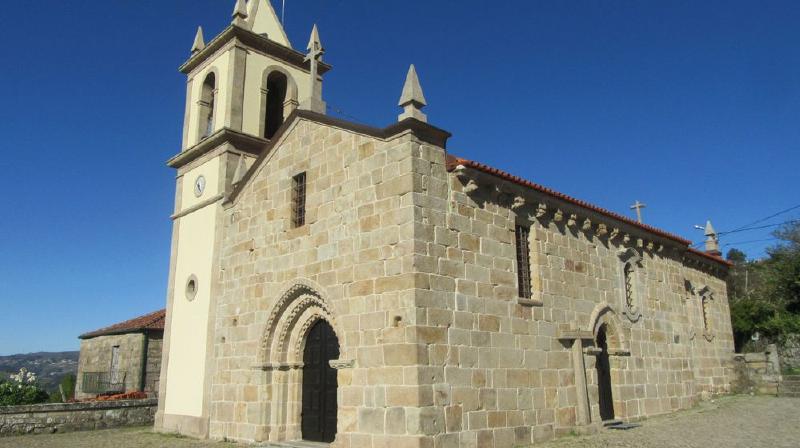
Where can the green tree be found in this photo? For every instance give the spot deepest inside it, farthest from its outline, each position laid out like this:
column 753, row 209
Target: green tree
column 765, row 294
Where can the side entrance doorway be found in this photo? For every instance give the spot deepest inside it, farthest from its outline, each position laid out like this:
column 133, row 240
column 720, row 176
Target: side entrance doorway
column 318, row 417
column 605, row 398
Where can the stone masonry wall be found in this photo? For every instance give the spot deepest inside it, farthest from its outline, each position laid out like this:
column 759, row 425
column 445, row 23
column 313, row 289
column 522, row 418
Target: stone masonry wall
column 353, row 263
column 95, row 356
column 153, row 368
column 415, row 269
column 65, row 417
column 502, row 370
column 758, row 372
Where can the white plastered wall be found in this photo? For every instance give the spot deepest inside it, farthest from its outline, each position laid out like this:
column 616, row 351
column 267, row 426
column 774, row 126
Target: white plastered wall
column 187, row 351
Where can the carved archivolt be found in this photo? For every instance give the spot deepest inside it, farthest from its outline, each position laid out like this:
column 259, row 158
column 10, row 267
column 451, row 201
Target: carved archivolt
column 290, row 318
column 604, row 314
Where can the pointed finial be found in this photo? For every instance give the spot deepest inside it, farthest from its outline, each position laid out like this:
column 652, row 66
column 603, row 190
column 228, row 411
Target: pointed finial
column 314, row 44
column 315, row 51
column 412, row 100
column 240, row 13
column 709, row 230
column 712, row 242
column 199, row 43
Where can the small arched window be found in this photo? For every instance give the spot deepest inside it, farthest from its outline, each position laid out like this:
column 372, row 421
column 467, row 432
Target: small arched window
column 275, row 99
column 206, row 106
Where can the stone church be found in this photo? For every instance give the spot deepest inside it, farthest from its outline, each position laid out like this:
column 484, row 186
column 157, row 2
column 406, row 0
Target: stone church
column 339, row 283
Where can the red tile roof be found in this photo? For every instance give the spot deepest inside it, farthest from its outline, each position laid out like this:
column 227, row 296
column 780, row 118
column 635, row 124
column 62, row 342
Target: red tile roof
column 453, row 162
column 151, row 321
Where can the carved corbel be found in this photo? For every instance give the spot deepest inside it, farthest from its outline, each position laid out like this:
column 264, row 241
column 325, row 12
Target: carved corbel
column 518, row 203
column 541, row 209
column 639, row 243
column 626, row 238
column 601, row 230
column 614, row 234
column 650, row 246
column 587, row 225
column 571, row 221
column 559, row 216
column 339, row 364
column 471, row 186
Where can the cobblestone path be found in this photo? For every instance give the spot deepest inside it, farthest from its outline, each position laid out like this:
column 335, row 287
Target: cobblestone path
column 729, row 422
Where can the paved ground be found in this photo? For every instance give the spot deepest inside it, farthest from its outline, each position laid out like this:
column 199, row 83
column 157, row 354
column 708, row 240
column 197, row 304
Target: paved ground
column 730, row 422
column 109, row 438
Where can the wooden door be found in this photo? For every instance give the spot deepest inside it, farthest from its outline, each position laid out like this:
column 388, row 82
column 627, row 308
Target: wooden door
column 318, row 418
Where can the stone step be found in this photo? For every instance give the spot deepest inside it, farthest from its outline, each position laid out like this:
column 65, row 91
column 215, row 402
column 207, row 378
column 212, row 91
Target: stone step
column 625, row 426
column 612, row 422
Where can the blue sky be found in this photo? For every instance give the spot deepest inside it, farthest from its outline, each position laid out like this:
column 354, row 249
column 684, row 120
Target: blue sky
column 690, row 107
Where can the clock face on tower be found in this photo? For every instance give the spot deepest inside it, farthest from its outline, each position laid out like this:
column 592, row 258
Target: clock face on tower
column 199, row 186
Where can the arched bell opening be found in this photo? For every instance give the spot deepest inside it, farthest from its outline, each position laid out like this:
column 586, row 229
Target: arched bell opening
column 278, row 100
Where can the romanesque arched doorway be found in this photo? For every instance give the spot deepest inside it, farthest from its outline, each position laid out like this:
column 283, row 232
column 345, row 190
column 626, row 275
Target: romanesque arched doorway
column 319, row 403
column 603, row 366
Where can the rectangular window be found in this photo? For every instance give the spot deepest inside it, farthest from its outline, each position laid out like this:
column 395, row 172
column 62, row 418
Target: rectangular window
column 299, row 200
column 523, row 261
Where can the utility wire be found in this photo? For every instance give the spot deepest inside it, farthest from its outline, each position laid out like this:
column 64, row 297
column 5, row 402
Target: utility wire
column 738, row 243
column 752, row 228
column 760, row 227
column 764, row 219
column 748, row 226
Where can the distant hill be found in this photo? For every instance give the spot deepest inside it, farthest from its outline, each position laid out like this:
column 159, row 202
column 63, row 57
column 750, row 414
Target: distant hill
column 49, row 367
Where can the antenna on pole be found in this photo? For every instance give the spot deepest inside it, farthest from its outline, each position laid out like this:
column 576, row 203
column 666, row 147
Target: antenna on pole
column 283, row 10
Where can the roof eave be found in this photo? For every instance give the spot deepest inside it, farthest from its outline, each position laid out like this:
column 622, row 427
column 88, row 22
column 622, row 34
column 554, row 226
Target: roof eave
column 258, row 43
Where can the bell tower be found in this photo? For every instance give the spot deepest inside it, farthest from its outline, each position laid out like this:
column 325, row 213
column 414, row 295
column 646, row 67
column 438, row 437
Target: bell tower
column 241, row 87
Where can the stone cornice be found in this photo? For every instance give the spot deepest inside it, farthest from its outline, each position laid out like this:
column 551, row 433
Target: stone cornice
column 545, row 206
column 255, row 42
column 241, row 141
column 198, row 206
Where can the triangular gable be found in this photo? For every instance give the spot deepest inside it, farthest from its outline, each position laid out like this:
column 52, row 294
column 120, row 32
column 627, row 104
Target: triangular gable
column 423, row 131
column 262, row 20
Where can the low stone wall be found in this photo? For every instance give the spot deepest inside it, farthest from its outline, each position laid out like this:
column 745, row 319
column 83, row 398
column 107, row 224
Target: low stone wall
column 757, row 372
column 790, row 352
column 65, row 417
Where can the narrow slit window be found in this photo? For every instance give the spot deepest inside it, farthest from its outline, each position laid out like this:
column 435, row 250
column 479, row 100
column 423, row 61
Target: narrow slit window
column 299, row 200
column 523, row 261
column 629, row 294
column 706, row 320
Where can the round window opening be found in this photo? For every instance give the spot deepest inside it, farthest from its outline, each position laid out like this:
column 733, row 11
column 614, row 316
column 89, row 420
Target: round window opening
column 191, row 288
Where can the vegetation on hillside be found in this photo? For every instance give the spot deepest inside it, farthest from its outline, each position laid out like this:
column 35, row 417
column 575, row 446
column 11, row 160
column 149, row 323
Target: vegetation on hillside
column 765, row 294
column 22, row 388
column 50, row 367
